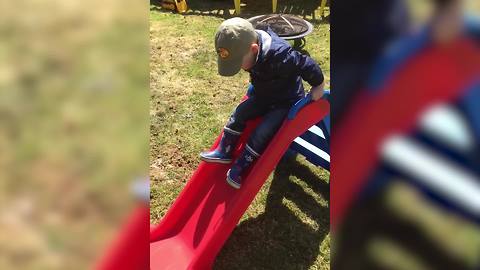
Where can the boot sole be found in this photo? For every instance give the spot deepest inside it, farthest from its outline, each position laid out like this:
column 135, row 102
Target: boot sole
column 231, row 182
column 211, row 160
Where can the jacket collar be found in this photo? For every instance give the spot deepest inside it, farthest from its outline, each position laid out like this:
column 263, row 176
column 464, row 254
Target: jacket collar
column 264, row 43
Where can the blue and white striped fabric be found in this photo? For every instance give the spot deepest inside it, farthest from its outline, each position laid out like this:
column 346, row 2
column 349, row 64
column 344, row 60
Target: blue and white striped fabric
column 441, row 157
column 314, row 144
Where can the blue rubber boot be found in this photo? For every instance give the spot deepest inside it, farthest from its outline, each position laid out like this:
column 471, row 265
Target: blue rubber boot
column 234, row 175
column 224, row 150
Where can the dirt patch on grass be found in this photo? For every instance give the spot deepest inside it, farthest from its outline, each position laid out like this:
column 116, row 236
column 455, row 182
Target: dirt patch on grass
column 167, row 55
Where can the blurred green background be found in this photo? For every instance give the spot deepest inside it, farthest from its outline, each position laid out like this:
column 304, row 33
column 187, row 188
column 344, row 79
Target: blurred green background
column 74, row 127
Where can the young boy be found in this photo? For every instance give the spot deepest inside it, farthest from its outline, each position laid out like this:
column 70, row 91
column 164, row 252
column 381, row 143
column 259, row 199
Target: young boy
column 276, row 73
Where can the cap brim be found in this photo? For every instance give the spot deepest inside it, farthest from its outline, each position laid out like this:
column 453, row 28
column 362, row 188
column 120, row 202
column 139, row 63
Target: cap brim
column 229, row 67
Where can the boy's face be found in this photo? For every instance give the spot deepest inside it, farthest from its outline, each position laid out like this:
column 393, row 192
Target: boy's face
column 249, row 59
column 448, row 23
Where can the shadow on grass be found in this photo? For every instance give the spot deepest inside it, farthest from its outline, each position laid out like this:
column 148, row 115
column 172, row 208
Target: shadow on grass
column 221, row 8
column 278, row 239
column 372, row 221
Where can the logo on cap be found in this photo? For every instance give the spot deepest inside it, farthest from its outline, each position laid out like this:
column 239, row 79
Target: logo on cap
column 223, row 53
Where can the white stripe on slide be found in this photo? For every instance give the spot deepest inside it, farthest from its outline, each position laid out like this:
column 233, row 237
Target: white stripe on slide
column 312, row 148
column 452, row 181
column 317, row 131
column 447, row 124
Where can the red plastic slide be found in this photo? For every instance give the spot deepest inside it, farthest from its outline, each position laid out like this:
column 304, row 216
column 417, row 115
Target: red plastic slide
column 435, row 75
column 208, row 209
column 129, row 249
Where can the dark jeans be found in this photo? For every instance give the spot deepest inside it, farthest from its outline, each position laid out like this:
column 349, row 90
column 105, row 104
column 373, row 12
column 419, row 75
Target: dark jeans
column 273, row 116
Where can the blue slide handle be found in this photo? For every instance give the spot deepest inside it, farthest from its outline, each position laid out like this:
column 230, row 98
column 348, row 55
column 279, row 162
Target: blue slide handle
column 304, row 102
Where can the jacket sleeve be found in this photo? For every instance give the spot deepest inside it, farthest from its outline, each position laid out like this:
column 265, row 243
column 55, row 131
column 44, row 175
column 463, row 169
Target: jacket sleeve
column 304, row 66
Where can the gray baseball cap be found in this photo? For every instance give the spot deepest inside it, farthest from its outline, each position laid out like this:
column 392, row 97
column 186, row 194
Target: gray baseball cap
column 232, row 42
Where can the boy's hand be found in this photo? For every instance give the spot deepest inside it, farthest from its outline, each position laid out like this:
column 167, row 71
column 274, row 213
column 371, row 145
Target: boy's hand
column 317, row 91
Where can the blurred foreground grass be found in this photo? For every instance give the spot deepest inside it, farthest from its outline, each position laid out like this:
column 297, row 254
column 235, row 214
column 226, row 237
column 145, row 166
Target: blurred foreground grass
column 74, row 127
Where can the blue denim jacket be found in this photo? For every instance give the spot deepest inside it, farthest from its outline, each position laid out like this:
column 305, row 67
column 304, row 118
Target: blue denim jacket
column 278, row 71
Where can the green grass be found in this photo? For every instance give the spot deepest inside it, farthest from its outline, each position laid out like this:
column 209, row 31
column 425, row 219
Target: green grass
column 287, row 225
